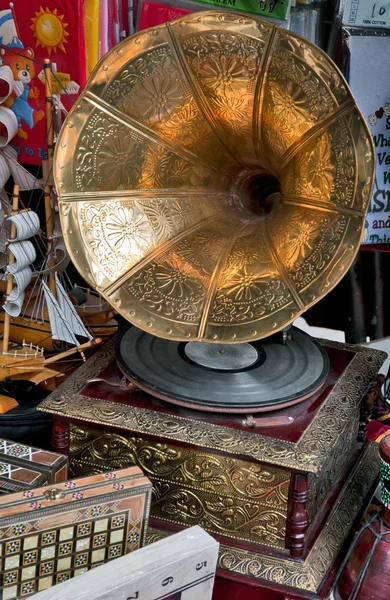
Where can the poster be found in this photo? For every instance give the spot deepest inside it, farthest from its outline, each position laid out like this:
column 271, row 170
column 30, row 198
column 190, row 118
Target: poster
column 370, row 84
column 30, row 31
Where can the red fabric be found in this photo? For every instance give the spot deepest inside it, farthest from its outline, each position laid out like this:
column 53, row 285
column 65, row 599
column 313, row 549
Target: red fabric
column 125, row 17
column 375, row 430
column 375, row 247
column 34, row 20
column 153, row 14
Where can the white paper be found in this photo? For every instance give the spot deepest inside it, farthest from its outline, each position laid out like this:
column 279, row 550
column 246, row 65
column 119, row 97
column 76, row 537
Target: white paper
column 182, row 563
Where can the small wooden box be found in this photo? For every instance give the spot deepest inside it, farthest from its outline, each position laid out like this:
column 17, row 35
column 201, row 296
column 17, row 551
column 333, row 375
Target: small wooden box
column 24, row 467
column 181, row 567
column 50, row 534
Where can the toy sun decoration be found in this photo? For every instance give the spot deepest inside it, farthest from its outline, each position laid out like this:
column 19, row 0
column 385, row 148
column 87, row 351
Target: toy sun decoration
column 49, row 30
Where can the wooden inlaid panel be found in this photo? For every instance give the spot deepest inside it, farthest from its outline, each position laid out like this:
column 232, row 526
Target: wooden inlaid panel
column 29, row 466
column 49, row 535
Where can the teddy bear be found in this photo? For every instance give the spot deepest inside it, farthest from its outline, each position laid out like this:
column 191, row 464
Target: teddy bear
column 23, row 70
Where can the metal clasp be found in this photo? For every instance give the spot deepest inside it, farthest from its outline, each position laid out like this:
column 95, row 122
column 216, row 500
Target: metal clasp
column 54, row 494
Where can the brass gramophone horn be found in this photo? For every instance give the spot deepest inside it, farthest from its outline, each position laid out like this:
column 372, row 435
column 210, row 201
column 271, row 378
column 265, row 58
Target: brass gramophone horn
column 214, row 177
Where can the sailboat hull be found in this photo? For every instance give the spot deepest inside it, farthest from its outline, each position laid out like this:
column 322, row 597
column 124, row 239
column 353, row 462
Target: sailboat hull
column 39, row 332
column 21, row 363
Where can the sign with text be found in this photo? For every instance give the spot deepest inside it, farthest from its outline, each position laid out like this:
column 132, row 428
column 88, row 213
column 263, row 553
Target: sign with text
column 367, row 13
column 276, row 9
column 370, row 84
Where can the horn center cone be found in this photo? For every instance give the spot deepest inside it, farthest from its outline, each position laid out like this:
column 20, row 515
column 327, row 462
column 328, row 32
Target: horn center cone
column 257, row 193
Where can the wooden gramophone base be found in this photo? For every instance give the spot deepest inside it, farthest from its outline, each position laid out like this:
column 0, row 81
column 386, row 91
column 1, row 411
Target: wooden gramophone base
column 281, row 502
column 241, row 583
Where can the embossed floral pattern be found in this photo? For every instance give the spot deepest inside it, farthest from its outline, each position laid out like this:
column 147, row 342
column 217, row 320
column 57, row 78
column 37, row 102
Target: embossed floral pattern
column 183, row 213
column 301, row 236
column 178, row 172
column 224, row 74
column 118, row 162
column 177, row 278
column 245, row 286
column 320, row 170
column 161, row 219
column 290, row 104
column 202, row 250
column 128, row 231
column 156, row 97
column 233, row 112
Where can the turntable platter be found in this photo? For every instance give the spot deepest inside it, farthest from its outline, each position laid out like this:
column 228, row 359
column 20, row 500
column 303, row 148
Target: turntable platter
column 265, row 375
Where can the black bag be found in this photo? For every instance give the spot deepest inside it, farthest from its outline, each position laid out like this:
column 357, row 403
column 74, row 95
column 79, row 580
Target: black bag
column 24, row 424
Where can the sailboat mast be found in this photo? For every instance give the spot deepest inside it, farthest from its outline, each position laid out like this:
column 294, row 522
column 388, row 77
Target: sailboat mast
column 47, row 192
column 10, row 279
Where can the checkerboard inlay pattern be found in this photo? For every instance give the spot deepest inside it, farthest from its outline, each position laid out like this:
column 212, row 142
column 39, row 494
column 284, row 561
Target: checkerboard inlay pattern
column 36, row 561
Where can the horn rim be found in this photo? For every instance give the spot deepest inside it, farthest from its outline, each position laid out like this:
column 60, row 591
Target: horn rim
column 137, row 314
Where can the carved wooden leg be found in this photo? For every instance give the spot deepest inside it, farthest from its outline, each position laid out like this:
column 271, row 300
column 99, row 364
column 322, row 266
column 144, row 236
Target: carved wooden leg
column 298, row 518
column 60, row 437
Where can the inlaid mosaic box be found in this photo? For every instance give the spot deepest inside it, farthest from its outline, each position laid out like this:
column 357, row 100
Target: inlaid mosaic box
column 24, row 467
column 50, row 534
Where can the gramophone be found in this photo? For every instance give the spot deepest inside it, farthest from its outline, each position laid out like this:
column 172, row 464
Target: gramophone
column 213, row 180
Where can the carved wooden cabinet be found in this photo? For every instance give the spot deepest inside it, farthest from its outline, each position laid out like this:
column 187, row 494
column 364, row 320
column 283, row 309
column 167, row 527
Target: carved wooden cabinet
column 281, row 501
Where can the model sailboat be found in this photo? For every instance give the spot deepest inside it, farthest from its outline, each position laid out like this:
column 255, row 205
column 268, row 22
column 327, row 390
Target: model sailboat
column 17, row 257
column 42, row 305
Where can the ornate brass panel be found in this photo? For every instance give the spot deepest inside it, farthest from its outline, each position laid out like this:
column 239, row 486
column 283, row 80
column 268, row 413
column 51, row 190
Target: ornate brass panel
column 322, row 483
column 309, row 574
column 224, row 495
column 164, row 166
column 309, row 454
